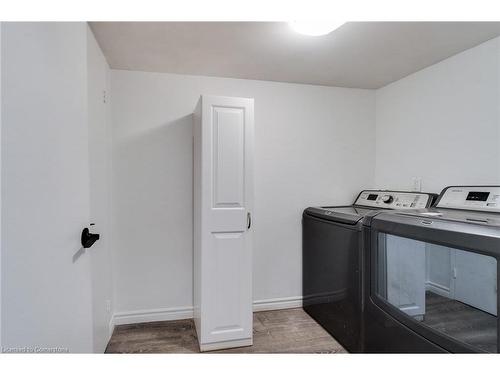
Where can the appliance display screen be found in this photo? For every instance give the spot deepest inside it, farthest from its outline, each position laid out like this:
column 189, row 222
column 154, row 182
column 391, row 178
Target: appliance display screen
column 372, row 197
column 480, row 196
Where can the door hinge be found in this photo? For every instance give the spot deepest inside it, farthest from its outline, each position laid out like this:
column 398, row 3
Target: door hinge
column 104, row 98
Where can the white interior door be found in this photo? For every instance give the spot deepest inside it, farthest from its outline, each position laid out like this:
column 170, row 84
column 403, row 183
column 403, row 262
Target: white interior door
column 46, row 291
column 228, row 191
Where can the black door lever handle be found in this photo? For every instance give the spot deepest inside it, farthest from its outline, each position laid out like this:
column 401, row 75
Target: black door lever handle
column 88, row 238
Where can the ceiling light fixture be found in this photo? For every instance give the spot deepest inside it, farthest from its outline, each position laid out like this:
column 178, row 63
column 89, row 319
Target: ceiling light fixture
column 315, row 27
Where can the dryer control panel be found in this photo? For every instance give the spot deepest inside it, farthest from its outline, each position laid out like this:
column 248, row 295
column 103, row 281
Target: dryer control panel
column 476, row 198
column 393, row 199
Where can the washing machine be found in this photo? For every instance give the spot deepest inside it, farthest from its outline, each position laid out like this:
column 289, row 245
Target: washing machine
column 432, row 275
column 332, row 244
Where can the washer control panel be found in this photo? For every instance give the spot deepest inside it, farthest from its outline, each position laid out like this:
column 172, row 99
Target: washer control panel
column 476, row 198
column 393, row 199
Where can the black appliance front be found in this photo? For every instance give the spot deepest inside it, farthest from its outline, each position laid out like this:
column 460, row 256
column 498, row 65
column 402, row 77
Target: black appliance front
column 430, row 286
column 331, row 278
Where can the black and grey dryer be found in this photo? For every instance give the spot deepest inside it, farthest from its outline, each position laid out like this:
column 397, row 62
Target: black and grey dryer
column 332, row 260
column 431, row 275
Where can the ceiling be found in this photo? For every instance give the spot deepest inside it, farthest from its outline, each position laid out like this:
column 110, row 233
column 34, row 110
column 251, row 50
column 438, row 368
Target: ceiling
column 358, row 54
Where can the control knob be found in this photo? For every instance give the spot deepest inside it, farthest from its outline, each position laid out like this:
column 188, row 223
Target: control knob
column 387, row 198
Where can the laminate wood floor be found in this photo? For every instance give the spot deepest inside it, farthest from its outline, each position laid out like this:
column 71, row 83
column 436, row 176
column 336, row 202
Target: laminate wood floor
column 280, row 331
column 461, row 321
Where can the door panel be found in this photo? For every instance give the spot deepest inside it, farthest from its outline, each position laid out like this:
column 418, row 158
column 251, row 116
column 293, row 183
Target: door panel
column 228, row 300
column 228, row 147
column 228, row 153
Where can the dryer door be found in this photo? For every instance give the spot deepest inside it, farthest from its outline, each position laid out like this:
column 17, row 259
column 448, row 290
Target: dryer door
column 439, row 279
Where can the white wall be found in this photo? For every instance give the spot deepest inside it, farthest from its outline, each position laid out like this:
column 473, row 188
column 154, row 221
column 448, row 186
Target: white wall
column 314, row 145
column 1, row 25
column 442, row 123
column 99, row 123
column 46, row 289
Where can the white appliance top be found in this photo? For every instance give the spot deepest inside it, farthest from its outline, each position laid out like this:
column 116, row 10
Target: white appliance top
column 393, row 199
column 476, row 198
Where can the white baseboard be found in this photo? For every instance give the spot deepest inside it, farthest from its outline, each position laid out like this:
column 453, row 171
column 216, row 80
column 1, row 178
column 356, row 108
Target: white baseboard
column 186, row 312
column 438, row 289
column 111, row 327
column 153, row 315
column 277, row 303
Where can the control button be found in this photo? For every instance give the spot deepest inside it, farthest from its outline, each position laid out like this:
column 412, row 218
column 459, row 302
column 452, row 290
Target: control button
column 387, row 198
